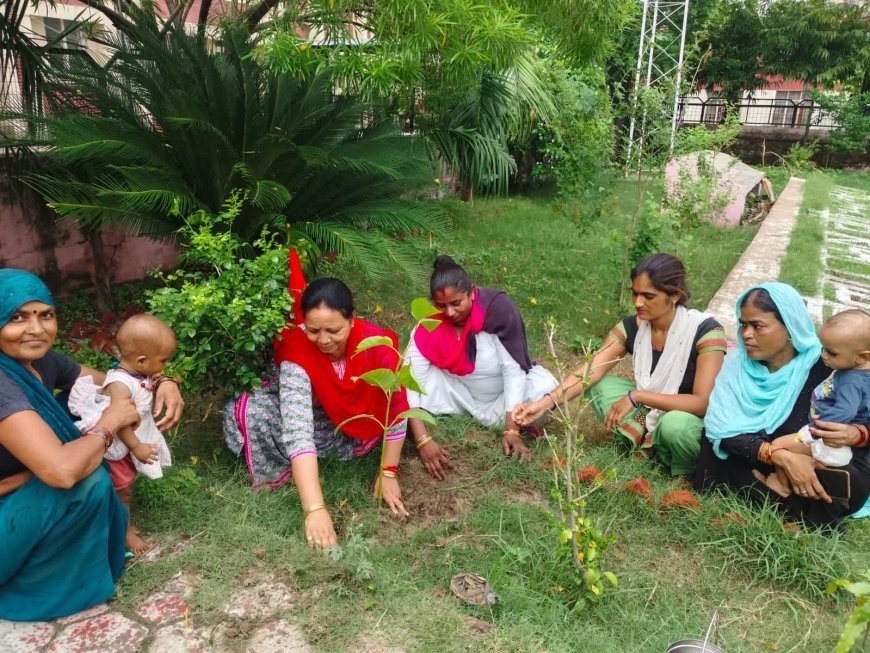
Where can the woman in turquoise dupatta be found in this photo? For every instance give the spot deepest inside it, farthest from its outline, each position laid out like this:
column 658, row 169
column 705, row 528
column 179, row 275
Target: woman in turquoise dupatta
column 62, row 527
column 763, row 392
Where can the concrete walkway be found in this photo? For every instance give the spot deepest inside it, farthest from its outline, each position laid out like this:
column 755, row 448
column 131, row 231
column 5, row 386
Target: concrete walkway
column 762, row 259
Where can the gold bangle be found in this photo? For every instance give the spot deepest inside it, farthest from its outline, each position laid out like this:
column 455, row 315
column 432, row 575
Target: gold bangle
column 388, row 474
column 313, row 508
column 512, row 432
column 422, row 442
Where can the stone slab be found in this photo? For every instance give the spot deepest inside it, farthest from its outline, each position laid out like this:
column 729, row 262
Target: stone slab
column 24, row 636
column 163, row 607
column 260, row 601
column 178, row 639
column 736, row 179
column 278, row 637
column 84, row 614
column 110, row 632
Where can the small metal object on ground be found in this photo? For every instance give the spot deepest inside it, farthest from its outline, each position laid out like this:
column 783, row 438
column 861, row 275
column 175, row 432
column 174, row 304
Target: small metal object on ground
column 705, row 645
column 473, row 589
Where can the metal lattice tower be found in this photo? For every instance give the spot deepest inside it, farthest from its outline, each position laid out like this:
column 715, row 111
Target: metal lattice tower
column 660, row 55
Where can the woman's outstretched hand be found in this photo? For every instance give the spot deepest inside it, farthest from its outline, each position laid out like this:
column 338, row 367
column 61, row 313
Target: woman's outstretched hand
column 525, row 414
column 319, row 530
column 392, row 495
column 617, row 413
column 436, row 460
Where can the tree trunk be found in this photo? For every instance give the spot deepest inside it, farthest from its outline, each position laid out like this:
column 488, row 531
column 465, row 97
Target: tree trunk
column 102, row 277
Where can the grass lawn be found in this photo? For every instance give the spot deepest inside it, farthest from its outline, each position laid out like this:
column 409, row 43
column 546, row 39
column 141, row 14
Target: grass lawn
column 802, row 265
column 389, row 585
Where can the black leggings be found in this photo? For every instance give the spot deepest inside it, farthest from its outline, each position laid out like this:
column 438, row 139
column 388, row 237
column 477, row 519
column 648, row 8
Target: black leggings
column 736, row 474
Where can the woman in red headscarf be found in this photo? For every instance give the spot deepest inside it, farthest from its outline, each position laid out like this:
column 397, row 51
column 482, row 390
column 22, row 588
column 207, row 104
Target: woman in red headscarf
column 316, row 406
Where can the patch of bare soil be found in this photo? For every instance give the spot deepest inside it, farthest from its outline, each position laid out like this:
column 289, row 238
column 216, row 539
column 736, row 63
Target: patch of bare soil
column 429, row 500
column 432, row 501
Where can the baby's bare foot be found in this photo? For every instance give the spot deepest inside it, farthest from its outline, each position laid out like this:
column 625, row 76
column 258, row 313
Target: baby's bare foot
column 773, row 482
column 135, row 543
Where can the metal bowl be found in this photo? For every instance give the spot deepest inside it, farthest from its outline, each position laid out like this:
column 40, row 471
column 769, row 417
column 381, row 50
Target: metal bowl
column 693, row 646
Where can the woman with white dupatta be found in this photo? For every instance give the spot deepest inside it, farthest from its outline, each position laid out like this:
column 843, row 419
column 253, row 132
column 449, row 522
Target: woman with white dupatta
column 676, row 353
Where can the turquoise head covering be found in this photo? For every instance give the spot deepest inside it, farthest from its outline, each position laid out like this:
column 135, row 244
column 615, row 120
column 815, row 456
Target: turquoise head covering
column 18, row 287
column 747, row 397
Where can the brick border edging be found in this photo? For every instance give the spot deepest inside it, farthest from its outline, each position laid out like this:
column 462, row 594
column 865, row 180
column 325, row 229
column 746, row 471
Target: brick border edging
column 763, row 257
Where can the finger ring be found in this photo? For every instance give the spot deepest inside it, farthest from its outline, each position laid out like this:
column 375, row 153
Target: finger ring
column 310, row 539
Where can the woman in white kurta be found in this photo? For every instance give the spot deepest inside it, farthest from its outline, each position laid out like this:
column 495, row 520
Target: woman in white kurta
column 475, row 362
column 497, row 384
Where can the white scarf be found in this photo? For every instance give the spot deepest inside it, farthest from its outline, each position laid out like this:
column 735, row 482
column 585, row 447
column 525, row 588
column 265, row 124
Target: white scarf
column 674, row 359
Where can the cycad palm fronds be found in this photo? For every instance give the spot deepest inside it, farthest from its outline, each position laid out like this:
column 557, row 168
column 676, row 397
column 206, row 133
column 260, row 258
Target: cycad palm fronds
column 170, row 125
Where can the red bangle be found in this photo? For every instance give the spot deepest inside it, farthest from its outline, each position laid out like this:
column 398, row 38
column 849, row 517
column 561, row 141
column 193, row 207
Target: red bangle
column 391, row 468
column 863, row 435
column 106, row 434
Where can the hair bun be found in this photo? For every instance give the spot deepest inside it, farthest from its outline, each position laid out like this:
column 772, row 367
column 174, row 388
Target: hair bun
column 444, row 261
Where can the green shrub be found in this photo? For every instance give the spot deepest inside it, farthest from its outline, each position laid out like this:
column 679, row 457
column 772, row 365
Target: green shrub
column 225, row 305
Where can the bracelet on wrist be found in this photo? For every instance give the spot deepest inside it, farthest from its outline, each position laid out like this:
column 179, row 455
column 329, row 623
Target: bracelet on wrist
column 512, row 432
column 390, row 471
column 424, row 440
column 312, row 508
column 553, row 399
column 773, row 450
column 106, row 434
column 631, row 399
column 863, row 435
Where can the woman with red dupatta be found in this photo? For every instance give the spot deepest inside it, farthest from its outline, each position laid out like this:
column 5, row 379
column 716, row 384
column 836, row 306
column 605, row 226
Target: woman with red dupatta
column 475, row 362
column 282, row 427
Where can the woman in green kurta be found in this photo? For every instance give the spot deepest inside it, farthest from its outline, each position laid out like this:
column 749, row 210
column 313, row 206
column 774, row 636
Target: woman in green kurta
column 676, row 353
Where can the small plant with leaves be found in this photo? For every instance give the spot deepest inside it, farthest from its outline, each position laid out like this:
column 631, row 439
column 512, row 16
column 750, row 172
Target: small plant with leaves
column 858, row 621
column 391, row 381
column 581, row 540
column 799, row 157
column 225, row 304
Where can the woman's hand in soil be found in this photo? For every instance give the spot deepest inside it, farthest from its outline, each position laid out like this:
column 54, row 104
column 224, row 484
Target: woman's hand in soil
column 525, row 414
column 392, row 495
column 319, row 530
column 515, row 447
column 617, row 413
column 836, row 435
column 436, row 460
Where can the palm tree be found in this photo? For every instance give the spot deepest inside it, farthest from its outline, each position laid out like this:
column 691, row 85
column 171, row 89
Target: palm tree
column 172, row 124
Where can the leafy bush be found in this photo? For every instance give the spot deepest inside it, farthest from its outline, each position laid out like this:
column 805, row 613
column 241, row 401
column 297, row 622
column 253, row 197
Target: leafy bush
column 849, row 112
column 577, row 144
column 224, row 305
column 799, row 157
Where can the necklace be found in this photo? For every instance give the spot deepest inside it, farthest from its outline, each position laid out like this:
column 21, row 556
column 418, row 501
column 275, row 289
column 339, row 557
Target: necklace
column 141, row 379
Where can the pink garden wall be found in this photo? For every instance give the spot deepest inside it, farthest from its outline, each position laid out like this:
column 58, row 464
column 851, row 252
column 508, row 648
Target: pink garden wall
column 62, row 256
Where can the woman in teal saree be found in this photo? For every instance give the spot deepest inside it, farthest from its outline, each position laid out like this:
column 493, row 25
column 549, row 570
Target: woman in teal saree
column 62, row 526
